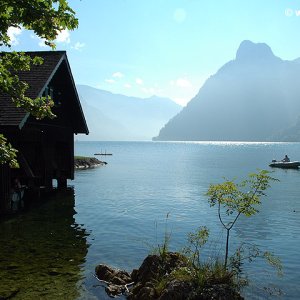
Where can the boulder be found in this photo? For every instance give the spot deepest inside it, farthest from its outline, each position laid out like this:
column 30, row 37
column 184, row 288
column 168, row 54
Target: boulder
column 155, row 266
column 112, row 275
column 155, row 271
column 220, row 292
column 177, row 290
column 114, row 278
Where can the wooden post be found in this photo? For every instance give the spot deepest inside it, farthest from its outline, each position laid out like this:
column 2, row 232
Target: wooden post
column 48, row 183
column 62, row 183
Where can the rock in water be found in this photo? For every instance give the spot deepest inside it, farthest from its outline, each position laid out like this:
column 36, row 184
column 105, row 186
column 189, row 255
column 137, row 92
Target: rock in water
column 155, row 280
column 115, row 279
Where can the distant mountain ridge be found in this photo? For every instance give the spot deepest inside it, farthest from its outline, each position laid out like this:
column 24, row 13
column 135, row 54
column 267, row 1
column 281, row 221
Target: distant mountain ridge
column 255, row 97
column 118, row 117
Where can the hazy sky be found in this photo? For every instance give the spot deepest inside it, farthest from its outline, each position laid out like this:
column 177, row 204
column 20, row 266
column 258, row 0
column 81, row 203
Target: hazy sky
column 167, row 47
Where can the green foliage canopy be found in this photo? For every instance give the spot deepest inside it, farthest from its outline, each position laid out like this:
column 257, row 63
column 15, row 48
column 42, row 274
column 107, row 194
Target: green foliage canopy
column 242, row 198
column 46, row 18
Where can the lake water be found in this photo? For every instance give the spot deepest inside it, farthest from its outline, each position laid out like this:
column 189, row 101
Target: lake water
column 118, row 214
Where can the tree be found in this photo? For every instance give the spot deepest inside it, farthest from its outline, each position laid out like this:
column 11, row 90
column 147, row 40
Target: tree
column 238, row 199
column 46, row 18
column 7, row 153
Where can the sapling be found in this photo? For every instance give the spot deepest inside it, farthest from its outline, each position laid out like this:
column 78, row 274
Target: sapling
column 238, row 199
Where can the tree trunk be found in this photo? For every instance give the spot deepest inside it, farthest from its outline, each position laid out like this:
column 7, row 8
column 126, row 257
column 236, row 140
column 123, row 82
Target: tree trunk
column 226, row 252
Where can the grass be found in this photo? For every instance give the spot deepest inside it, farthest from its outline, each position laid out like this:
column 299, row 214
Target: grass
column 205, row 277
column 81, row 157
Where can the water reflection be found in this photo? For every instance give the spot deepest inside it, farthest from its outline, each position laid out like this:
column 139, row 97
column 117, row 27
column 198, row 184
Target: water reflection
column 43, row 251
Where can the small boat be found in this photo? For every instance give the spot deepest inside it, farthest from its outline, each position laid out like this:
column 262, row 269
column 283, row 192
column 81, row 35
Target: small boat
column 103, row 153
column 285, row 164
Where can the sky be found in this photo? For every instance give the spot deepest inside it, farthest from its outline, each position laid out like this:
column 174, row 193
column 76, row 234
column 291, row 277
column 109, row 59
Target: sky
column 166, row 48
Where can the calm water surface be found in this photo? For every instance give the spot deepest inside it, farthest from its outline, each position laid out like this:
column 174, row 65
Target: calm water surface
column 120, row 211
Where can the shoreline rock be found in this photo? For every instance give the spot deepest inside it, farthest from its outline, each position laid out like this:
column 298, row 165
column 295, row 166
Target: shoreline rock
column 81, row 162
column 154, row 281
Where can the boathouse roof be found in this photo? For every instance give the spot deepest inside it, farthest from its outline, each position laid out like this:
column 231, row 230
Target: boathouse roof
column 55, row 66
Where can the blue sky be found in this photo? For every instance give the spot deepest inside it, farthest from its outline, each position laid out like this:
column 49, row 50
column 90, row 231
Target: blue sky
column 167, row 47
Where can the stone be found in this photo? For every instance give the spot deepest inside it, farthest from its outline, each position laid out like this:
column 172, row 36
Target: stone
column 143, row 293
column 114, row 290
column 87, row 162
column 154, row 266
column 115, row 279
column 220, row 292
column 177, row 290
column 111, row 275
column 154, row 269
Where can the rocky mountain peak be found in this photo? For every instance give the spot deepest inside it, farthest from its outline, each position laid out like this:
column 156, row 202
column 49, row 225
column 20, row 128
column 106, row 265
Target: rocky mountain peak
column 249, row 52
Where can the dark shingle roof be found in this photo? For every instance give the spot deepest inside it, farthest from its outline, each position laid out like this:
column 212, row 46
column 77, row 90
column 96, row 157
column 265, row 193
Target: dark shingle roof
column 38, row 78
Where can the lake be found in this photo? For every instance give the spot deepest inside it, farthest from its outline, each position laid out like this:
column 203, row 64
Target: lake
column 117, row 214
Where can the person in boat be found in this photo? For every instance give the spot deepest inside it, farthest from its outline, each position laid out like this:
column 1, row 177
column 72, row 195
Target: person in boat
column 286, row 159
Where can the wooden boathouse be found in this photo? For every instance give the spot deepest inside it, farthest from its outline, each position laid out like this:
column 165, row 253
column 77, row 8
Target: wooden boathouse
column 45, row 147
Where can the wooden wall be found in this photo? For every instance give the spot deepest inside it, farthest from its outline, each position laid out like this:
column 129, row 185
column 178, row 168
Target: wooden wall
column 5, row 185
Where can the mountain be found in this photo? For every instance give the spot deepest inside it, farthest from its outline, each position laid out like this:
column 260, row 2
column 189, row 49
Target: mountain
column 117, row 117
column 255, row 97
column 291, row 134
